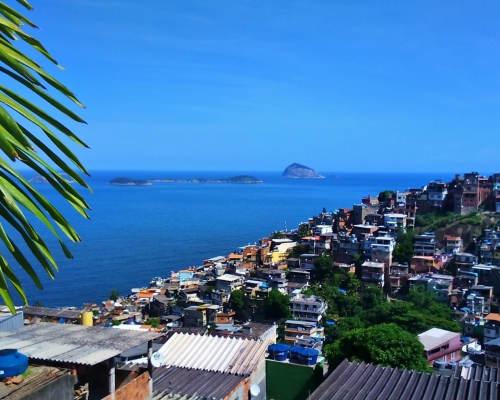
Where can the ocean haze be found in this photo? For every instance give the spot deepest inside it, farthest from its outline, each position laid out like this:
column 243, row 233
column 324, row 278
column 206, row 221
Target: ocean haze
column 138, row 232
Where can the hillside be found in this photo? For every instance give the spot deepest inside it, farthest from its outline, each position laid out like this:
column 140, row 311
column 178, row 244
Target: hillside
column 466, row 226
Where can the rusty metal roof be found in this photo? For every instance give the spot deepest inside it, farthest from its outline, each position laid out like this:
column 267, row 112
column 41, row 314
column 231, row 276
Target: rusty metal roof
column 72, row 343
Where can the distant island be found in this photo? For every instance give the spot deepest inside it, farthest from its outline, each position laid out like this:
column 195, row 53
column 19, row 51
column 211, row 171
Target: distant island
column 234, row 179
column 135, row 182
column 42, row 179
column 129, row 182
column 300, row 171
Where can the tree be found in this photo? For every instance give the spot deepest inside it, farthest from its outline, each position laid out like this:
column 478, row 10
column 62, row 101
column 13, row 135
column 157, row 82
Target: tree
column 38, row 303
column 236, row 300
column 383, row 196
column 114, row 295
column 28, row 135
column 385, row 344
column 154, row 322
column 303, row 231
column 277, row 305
column 403, row 251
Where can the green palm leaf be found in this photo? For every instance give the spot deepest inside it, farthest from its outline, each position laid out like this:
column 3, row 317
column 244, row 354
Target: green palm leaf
column 19, row 200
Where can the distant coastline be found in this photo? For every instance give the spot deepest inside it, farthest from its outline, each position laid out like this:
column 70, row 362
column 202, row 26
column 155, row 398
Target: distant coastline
column 240, row 179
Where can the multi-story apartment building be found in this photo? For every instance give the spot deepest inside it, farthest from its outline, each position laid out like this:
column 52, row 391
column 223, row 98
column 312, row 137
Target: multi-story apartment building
column 307, row 308
column 441, row 345
column 373, row 273
column 464, row 262
column 398, row 275
column 436, row 193
column 381, row 250
column 453, row 244
column 479, row 299
column 491, row 327
column 302, row 331
column 425, row 244
column 395, row 222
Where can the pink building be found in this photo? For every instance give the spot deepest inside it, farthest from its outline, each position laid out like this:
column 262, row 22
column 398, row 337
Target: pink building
column 441, row 345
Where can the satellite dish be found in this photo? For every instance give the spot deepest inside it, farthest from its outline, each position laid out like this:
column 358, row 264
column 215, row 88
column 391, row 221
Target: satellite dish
column 157, row 359
column 254, row 390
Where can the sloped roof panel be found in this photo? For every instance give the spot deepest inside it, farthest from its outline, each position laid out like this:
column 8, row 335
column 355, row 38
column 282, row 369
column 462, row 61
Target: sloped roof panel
column 213, row 353
column 72, row 343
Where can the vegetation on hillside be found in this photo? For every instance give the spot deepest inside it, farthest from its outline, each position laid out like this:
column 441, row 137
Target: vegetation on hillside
column 355, row 309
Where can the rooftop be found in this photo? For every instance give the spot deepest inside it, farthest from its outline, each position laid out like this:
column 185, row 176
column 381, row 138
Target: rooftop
column 51, row 312
column 351, row 380
column 229, row 278
column 72, row 343
column 435, row 337
column 193, row 384
column 212, row 353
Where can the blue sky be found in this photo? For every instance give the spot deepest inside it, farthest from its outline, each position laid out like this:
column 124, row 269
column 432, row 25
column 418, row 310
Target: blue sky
column 257, row 85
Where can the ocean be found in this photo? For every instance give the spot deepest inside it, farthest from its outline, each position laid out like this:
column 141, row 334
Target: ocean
column 139, row 232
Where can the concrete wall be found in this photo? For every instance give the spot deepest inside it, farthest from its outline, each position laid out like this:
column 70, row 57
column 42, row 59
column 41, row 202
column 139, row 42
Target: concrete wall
column 60, row 389
column 138, row 389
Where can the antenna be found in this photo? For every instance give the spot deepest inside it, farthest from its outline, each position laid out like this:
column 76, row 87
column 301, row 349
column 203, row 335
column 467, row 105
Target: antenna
column 157, row 359
column 254, row 390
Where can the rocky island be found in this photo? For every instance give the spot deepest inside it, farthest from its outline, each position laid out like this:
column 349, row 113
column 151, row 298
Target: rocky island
column 129, row 182
column 42, row 179
column 234, row 179
column 300, row 171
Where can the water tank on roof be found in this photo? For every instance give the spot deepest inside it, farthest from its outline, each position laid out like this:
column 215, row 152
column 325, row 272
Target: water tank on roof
column 294, row 354
column 439, row 364
column 452, row 365
column 278, row 352
column 12, row 363
column 308, row 356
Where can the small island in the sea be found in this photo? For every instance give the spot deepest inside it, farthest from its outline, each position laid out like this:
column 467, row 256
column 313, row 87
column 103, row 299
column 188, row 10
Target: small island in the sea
column 234, row 179
column 42, row 179
column 300, row 171
column 129, row 182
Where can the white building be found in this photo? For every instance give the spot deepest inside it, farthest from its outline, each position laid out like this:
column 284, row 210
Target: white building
column 229, row 282
column 395, row 221
column 307, row 308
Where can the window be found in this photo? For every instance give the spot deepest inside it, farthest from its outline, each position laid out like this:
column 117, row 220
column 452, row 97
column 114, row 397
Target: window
column 452, row 356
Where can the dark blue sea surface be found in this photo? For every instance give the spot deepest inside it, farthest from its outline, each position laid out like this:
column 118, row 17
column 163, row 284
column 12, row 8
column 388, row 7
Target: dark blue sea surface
column 138, row 232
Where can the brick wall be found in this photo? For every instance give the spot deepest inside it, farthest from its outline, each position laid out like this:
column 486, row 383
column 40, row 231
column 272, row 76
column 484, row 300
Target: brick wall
column 138, row 389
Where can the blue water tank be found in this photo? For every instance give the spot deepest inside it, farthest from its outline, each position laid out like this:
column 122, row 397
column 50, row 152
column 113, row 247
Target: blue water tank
column 12, row 363
column 294, row 354
column 308, row 356
column 279, row 352
column 452, row 365
column 439, row 364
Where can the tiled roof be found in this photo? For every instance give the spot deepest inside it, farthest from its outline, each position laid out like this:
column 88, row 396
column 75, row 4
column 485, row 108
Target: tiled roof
column 212, row 353
column 351, row 380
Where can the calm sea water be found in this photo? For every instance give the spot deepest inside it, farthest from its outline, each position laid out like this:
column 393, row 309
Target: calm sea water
column 139, row 232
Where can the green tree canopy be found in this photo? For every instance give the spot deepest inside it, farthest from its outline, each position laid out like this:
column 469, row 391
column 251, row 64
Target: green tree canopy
column 382, row 196
column 31, row 135
column 236, row 300
column 385, row 344
column 403, row 252
column 114, row 295
column 277, row 305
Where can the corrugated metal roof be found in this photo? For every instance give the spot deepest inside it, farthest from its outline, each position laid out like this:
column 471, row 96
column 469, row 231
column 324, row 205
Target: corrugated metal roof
column 51, row 312
column 12, row 322
column 171, row 383
column 212, row 353
column 352, row 380
column 72, row 343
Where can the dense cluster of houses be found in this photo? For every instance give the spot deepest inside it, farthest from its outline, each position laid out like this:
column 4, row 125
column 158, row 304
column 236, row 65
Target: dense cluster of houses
column 199, row 341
